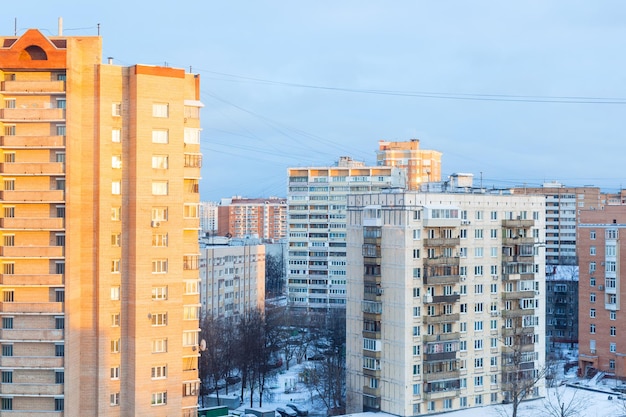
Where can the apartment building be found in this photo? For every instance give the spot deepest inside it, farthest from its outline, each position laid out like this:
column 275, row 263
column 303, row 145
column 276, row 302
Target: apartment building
column 445, row 300
column 561, row 307
column 316, row 258
column 265, row 218
column 208, row 218
column 602, row 322
column 100, row 169
column 422, row 166
column 232, row 278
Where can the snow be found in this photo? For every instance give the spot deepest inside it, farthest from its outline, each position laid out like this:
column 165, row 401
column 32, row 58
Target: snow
column 592, row 394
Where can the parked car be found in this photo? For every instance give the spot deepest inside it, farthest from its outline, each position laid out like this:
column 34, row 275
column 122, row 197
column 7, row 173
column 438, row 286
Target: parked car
column 316, row 357
column 300, row 411
column 233, row 379
column 286, row 412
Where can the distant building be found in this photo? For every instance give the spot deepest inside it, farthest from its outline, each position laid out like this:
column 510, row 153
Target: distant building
column 100, row 171
column 208, row 218
column 561, row 306
column 316, row 270
column 265, row 218
column 562, row 207
column 445, row 300
column 421, row 166
column 232, row 276
column 602, row 320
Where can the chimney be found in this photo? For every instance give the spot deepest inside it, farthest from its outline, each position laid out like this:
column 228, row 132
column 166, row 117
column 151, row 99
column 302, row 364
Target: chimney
column 60, row 26
column 110, row 60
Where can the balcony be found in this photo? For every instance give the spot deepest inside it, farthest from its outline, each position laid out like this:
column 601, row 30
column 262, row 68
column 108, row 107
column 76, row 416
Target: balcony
column 441, row 337
column 437, row 357
column 442, row 260
column 518, row 223
column 189, row 224
column 442, row 279
column 32, row 168
column 448, row 299
column 441, row 394
column 52, row 223
column 31, row 389
column 443, row 318
column 30, row 362
column 32, row 335
column 508, row 241
column 517, row 313
column 440, row 376
column 32, row 141
column 44, row 308
column 44, row 196
column 33, row 87
column 46, row 280
column 32, row 251
column 445, row 242
column 516, row 295
column 33, row 114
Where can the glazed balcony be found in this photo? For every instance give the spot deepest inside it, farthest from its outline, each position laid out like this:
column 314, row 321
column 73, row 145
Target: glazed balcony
column 440, row 376
column 46, row 280
column 32, row 335
column 517, row 313
column 43, row 308
column 44, row 196
column 39, row 362
column 507, row 241
column 52, row 223
column 438, row 357
column 33, row 87
column 33, row 114
column 32, row 168
column 32, row 141
column 441, row 337
column 31, row 413
column 189, row 224
column 441, row 394
column 31, row 389
column 517, row 295
column 442, row 279
column 32, row 251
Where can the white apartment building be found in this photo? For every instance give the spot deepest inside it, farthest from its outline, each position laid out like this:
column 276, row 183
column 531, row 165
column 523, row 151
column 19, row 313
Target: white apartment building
column 445, row 300
column 208, row 217
column 316, row 198
column 232, row 279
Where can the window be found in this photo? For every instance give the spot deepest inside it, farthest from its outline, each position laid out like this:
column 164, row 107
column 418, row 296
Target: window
column 160, row 136
column 592, row 234
column 592, row 297
column 7, row 403
column 159, row 187
column 417, row 273
column 160, row 110
column 478, row 252
column 193, row 160
column 59, row 404
column 192, row 136
column 159, row 161
column 115, row 320
column 494, row 233
column 612, row 315
column 191, row 211
column 9, row 157
column 592, row 267
column 191, row 312
column 59, row 377
column 190, row 338
column 592, row 250
column 116, row 213
column 115, row 346
column 191, row 262
column 478, row 326
column 116, row 161
column 613, row 347
column 9, row 211
column 116, row 135
column 9, row 103
column 60, row 130
column 191, row 287
column 9, row 130
column 478, row 363
column 115, row 266
column 116, row 109
column 478, row 270
column 115, row 372
column 159, row 266
column 592, row 313
column 613, row 331
column 478, row 233
column 159, row 319
column 463, row 345
column 116, row 239
column 159, row 345
column 9, row 184
column 7, row 322
column 116, row 187
column 7, row 350
column 59, row 296
column 159, row 398
column 478, row 381
column 8, row 296
column 7, row 377
column 115, row 293
column 59, row 350
column 159, row 372
column 159, row 214
column 592, row 328
column 159, row 293
column 478, row 344
column 115, row 399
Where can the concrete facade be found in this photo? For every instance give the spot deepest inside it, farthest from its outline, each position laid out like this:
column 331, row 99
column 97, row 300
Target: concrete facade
column 421, row 166
column 100, row 172
column 445, row 300
column 316, row 258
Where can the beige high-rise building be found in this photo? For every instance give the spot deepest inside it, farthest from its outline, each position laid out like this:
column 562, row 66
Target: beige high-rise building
column 100, row 170
column 422, row 166
column 445, row 300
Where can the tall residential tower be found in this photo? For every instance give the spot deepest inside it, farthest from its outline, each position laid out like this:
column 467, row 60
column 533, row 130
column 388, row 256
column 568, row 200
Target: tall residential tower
column 100, row 170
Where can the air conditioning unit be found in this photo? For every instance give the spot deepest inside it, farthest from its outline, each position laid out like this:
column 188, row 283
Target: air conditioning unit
column 494, row 277
column 155, row 223
column 536, row 292
column 494, row 314
column 463, row 277
column 601, row 287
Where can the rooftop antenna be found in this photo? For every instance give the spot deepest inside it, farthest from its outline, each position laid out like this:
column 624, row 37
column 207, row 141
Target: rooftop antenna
column 15, row 27
column 60, row 26
column 98, row 29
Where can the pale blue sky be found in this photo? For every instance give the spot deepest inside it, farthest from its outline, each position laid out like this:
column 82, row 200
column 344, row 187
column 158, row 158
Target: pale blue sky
column 299, row 83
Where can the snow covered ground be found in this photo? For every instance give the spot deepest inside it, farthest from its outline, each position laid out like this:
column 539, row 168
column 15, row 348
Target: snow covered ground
column 592, row 398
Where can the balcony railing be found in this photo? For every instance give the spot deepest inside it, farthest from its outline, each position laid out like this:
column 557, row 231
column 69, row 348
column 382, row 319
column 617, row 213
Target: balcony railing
column 32, row 87
column 446, row 242
column 32, row 168
column 442, row 260
column 32, row 223
column 38, row 335
column 32, row 251
column 32, row 141
column 51, row 308
column 443, row 318
column 48, row 196
column 518, row 223
column 31, row 389
column 32, row 115
column 39, row 362
column 32, row 279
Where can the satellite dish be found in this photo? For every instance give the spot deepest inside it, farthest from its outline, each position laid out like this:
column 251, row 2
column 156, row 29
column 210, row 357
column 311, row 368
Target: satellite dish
column 202, row 345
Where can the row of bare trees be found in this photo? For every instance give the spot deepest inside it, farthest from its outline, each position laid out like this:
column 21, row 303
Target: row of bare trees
column 251, row 345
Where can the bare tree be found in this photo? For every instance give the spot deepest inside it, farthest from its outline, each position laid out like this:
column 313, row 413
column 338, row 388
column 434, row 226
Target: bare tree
column 521, row 372
column 274, row 274
column 557, row 404
column 215, row 360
